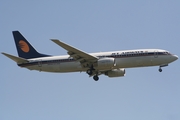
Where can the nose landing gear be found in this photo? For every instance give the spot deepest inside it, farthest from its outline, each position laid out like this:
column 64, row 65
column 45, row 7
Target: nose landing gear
column 160, row 69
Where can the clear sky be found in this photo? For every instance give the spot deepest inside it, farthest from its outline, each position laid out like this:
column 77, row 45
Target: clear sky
column 92, row 26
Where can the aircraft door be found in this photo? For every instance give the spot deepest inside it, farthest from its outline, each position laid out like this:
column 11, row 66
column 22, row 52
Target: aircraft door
column 40, row 63
column 155, row 54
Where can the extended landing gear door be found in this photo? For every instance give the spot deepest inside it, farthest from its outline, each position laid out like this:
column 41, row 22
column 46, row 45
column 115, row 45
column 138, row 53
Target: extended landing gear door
column 156, row 54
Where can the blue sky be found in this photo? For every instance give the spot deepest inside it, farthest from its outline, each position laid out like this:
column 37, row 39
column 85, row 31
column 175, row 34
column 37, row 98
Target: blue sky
column 92, row 26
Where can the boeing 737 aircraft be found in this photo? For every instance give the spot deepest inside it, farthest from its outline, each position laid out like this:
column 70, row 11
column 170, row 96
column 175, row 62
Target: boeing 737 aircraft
column 111, row 64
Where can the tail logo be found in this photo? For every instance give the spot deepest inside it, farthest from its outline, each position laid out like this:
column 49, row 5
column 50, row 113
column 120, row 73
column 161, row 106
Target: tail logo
column 24, row 46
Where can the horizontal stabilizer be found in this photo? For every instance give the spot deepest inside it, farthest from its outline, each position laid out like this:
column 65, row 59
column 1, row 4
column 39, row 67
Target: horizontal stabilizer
column 16, row 59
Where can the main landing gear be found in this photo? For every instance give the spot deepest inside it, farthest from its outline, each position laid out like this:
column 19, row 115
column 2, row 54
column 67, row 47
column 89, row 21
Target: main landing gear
column 90, row 73
column 96, row 78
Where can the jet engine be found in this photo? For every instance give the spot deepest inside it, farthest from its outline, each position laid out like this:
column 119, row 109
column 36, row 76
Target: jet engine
column 115, row 73
column 106, row 63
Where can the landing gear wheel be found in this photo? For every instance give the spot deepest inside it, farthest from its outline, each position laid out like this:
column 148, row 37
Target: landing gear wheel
column 96, row 78
column 160, row 70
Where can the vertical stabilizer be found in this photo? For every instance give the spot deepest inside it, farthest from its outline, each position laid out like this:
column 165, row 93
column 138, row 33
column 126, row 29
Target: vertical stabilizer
column 24, row 48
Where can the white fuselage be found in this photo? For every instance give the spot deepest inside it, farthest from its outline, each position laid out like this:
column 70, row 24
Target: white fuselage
column 123, row 59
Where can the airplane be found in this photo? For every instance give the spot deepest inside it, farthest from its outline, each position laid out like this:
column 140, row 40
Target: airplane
column 111, row 64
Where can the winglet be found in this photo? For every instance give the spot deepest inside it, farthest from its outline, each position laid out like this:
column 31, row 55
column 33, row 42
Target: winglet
column 16, row 59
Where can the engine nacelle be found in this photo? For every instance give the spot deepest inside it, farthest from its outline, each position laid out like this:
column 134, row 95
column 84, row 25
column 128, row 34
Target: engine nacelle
column 115, row 73
column 105, row 63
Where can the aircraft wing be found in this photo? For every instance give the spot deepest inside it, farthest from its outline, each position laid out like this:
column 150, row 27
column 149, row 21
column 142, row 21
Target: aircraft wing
column 77, row 54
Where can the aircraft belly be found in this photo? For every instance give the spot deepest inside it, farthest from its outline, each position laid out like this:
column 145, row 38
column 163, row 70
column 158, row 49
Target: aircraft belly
column 66, row 67
column 58, row 67
column 62, row 67
column 70, row 67
column 34, row 67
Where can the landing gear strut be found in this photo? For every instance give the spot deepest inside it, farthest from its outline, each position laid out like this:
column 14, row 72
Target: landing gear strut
column 90, row 71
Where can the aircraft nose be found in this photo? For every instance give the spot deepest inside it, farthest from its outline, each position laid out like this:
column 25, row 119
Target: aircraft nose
column 175, row 57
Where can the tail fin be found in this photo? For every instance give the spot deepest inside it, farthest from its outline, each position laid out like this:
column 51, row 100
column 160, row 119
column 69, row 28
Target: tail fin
column 24, row 48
